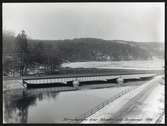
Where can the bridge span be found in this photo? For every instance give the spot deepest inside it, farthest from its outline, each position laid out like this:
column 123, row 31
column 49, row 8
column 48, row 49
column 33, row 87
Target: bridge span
column 67, row 80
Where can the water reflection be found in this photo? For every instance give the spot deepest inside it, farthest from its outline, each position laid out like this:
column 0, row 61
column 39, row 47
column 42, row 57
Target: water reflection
column 51, row 106
column 17, row 103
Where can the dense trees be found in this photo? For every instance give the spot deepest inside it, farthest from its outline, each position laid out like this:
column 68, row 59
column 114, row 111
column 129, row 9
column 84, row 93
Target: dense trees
column 45, row 55
column 8, row 42
column 21, row 54
column 25, row 55
column 91, row 49
column 8, row 52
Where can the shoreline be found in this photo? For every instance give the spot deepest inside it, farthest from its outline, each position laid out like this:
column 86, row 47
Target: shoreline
column 128, row 102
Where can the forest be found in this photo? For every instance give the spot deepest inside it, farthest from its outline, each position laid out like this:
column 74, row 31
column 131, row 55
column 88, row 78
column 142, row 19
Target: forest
column 21, row 53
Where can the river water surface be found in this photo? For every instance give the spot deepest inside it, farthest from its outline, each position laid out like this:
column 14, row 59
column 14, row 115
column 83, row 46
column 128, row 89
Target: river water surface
column 49, row 106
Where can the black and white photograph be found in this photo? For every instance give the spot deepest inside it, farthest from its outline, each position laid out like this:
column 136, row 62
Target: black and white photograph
column 83, row 63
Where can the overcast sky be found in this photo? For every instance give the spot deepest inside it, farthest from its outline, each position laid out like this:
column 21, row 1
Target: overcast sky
column 141, row 22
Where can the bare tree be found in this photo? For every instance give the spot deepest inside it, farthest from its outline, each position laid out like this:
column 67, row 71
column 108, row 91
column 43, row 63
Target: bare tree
column 22, row 52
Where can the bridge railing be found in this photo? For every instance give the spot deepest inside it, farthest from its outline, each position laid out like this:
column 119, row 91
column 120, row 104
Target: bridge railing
column 62, row 77
column 79, row 75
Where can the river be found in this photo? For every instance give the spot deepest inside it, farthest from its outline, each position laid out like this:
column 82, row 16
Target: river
column 155, row 64
column 49, row 106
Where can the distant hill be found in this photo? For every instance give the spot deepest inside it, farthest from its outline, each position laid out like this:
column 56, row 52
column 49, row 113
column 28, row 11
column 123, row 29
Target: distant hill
column 92, row 49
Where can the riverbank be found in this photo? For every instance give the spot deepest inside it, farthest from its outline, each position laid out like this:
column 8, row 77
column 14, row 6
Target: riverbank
column 143, row 105
column 12, row 84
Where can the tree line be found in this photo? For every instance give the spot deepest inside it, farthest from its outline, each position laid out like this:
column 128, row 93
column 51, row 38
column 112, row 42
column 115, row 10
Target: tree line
column 21, row 53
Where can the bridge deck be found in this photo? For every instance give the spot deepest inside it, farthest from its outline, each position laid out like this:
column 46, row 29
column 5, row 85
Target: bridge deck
column 52, row 79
